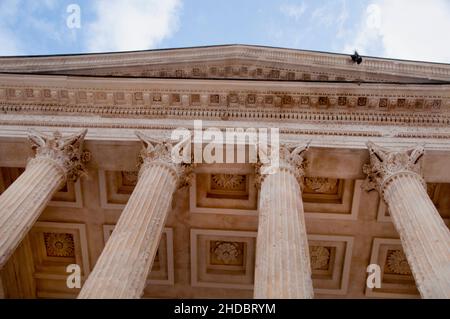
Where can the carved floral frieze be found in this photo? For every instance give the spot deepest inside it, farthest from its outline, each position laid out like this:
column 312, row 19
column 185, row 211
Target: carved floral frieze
column 66, row 98
column 318, row 104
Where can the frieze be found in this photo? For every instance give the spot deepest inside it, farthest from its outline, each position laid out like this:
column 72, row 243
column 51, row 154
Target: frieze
column 316, row 107
column 322, row 100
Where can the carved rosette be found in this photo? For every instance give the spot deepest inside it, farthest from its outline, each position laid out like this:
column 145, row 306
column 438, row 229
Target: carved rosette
column 320, row 257
column 290, row 158
column 66, row 152
column 227, row 252
column 320, row 184
column 161, row 153
column 228, row 181
column 385, row 165
column 59, row 245
column 398, row 263
column 129, row 178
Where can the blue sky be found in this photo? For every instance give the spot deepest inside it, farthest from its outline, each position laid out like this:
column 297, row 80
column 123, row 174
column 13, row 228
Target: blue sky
column 405, row 29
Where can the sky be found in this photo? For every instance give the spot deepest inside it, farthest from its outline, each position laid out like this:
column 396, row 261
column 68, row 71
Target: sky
column 401, row 29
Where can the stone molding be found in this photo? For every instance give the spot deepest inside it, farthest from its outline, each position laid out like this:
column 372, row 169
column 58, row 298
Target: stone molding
column 242, row 52
column 388, row 129
column 324, row 103
column 421, row 105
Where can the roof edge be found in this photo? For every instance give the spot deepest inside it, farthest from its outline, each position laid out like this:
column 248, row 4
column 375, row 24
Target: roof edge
column 213, row 46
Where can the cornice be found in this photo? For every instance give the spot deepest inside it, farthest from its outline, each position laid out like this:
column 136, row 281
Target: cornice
column 203, row 54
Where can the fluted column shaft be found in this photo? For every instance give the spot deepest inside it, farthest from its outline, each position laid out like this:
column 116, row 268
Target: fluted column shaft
column 424, row 236
column 282, row 253
column 123, row 266
column 23, row 202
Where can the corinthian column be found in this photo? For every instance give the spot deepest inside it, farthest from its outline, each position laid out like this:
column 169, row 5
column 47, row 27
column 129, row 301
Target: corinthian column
column 424, row 236
column 282, row 253
column 127, row 258
column 57, row 159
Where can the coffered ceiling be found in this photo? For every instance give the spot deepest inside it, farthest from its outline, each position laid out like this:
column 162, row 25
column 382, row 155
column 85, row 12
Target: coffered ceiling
column 208, row 246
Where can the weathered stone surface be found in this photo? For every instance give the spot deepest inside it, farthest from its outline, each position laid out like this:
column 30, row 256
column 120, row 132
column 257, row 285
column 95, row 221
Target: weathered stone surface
column 282, row 255
column 57, row 158
column 307, row 95
column 126, row 260
column 424, row 236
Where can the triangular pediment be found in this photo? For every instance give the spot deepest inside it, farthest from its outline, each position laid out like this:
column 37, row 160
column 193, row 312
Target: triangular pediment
column 232, row 62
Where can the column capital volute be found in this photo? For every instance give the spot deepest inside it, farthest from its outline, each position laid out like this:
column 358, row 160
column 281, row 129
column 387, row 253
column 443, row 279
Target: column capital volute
column 388, row 164
column 66, row 152
column 287, row 157
column 165, row 153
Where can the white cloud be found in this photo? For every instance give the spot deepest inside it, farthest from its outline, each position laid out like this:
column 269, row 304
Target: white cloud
column 293, row 10
column 132, row 25
column 405, row 29
column 342, row 20
column 9, row 44
column 324, row 15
